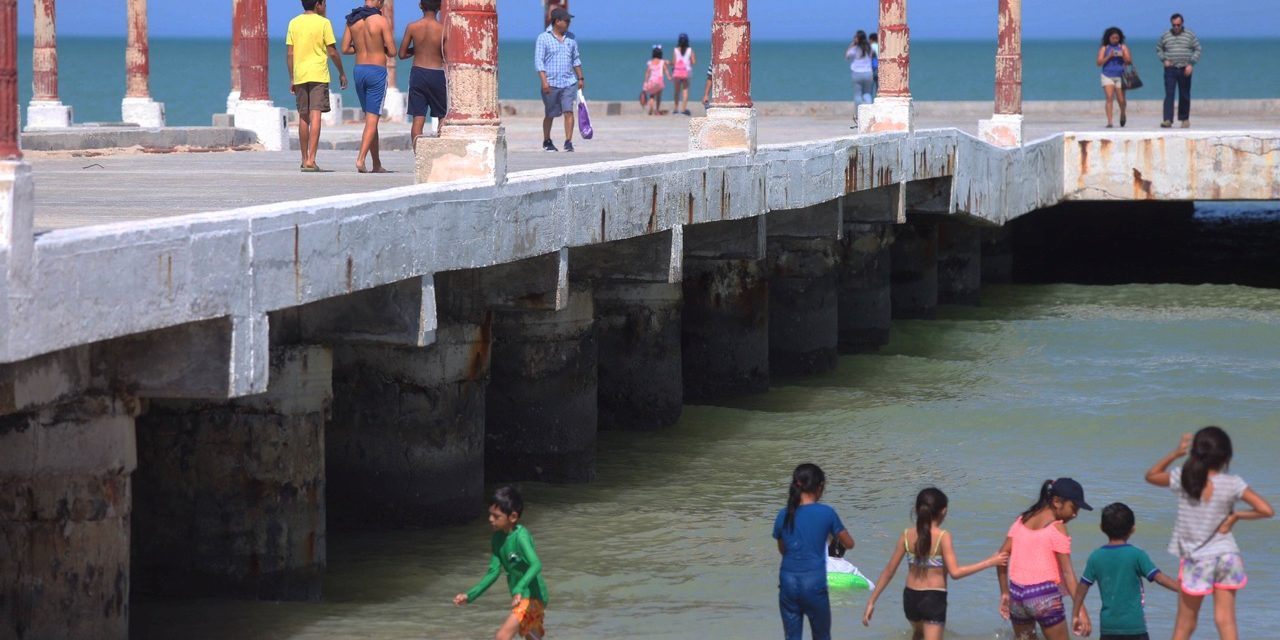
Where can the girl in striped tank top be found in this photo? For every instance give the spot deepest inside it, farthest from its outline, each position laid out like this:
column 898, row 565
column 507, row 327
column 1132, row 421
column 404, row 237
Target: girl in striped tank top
column 1202, row 540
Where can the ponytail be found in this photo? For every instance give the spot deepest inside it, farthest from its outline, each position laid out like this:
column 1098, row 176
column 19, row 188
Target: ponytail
column 1046, row 498
column 807, row 478
column 929, row 505
column 1210, row 451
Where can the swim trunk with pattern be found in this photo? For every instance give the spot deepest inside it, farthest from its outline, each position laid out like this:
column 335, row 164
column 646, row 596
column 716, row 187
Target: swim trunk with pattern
column 1036, row 603
column 531, row 613
column 1201, row 577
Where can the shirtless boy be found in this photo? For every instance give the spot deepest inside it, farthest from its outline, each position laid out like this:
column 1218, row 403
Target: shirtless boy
column 424, row 42
column 368, row 36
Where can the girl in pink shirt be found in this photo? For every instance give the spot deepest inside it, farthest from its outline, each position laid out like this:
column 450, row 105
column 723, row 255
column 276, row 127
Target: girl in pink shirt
column 1039, row 571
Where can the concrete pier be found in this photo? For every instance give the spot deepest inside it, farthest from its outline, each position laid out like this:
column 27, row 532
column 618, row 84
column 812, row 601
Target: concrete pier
column 863, row 272
column 959, row 262
column 230, row 496
column 914, row 275
column 64, row 516
column 803, row 308
column 725, row 325
column 406, row 444
column 638, row 336
column 540, row 407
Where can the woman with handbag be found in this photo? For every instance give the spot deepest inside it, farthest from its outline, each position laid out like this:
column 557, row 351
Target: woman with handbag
column 1113, row 55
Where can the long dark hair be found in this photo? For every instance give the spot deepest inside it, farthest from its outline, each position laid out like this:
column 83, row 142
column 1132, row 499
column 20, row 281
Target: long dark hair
column 807, row 478
column 860, row 41
column 657, row 52
column 1210, row 451
column 929, row 504
column 682, row 43
column 1106, row 35
column 1045, row 499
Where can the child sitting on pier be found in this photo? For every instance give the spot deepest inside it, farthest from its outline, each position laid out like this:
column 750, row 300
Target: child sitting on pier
column 512, row 551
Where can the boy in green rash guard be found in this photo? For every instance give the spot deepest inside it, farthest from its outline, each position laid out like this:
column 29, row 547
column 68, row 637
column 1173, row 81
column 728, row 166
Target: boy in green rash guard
column 512, row 551
column 1118, row 569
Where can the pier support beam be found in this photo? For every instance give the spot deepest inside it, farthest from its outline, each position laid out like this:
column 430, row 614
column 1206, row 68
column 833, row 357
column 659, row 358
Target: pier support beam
column 638, row 301
column 406, row 444
column 864, row 291
column 959, row 263
column 731, row 119
column 64, row 519
column 230, row 497
column 472, row 144
column 914, row 275
column 803, row 282
column 892, row 109
column 540, row 409
column 997, row 255
column 137, row 106
column 1004, row 129
column 255, row 111
column 725, row 323
column 46, row 111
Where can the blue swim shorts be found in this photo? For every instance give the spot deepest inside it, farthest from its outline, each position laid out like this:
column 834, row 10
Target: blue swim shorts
column 371, row 87
column 427, row 92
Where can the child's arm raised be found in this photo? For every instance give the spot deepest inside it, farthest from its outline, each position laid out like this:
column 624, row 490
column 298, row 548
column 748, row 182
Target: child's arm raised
column 490, row 576
column 997, row 559
column 1158, row 474
column 1261, row 510
column 899, row 550
column 1002, row 576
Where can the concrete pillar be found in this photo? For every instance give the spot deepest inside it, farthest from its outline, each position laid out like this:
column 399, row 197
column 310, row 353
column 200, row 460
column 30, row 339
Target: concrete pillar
column 997, row 255
column 959, row 263
column 137, row 106
column 395, row 103
column 46, row 111
column 230, row 496
column 406, row 444
column 640, row 385
column 548, row 6
column 472, row 144
column 731, row 119
column 725, row 322
column 863, row 286
column 9, row 149
column 233, row 98
column 892, row 109
column 803, row 306
column 64, row 519
column 255, row 111
column 914, row 274
column 541, row 411
column 1005, row 127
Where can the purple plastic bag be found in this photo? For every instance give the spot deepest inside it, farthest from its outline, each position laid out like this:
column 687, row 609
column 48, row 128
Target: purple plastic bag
column 584, row 117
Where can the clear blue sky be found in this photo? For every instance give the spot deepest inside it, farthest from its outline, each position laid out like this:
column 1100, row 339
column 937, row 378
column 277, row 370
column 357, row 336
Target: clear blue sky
column 770, row 19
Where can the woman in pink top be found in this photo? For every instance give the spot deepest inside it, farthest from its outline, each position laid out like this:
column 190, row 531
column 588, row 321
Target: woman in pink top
column 1039, row 571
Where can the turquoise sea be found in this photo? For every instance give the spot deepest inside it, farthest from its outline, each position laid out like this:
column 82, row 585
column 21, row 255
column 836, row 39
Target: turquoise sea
column 192, row 76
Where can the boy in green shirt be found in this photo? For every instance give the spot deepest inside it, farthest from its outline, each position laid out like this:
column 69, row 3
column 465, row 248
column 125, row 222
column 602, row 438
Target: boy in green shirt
column 512, row 551
column 1118, row 569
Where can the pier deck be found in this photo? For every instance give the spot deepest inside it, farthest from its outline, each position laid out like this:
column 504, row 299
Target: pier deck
column 75, row 189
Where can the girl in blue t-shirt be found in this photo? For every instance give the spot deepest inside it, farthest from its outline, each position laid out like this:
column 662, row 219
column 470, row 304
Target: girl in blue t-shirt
column 802, row 530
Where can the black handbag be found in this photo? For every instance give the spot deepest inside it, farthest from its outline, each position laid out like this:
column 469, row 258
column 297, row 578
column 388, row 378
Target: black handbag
column 1129, row 79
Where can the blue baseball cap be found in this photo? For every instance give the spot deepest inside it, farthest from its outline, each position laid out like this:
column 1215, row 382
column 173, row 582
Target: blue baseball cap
column 1069, row 489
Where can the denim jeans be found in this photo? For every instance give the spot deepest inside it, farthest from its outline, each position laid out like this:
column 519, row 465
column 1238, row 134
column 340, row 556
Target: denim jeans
column 864, row 88
column 1175, row 77
column 803, row 595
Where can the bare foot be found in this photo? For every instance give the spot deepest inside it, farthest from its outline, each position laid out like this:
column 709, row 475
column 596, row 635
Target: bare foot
column 360, row 168
column 380, row 169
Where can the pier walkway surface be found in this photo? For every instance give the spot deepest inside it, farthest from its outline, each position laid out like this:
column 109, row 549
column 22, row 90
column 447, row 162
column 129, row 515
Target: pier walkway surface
column 75, row 189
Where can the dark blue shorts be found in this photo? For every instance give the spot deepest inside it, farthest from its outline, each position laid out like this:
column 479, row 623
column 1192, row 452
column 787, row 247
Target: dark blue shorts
column 371, row 87
column 427, row 92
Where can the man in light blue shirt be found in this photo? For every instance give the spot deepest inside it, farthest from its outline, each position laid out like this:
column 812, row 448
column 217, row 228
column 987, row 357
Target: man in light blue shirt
column 560, row 69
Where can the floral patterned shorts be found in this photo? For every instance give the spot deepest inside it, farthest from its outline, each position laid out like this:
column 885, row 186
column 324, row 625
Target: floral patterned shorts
column 530, row 612
column 1201, row 577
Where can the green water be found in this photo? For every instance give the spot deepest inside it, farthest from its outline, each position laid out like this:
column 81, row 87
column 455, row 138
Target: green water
column 192, row 76
column 673, row 540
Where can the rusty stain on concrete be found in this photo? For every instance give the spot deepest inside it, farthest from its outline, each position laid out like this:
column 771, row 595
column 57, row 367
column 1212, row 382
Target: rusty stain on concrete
column 1141, row 187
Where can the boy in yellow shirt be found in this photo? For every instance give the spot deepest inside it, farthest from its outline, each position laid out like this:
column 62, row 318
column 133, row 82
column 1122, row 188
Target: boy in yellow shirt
column 309, row 41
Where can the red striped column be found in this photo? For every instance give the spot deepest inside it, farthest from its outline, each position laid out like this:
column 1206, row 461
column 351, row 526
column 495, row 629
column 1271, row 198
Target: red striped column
column 472, row 144
column 550, row 5
column 1005, row 126
column 137, row 106
column 731, row 55
column 46, row 110
column 252, row 16
column 9, row 149
column 234, row 95
column 892, row 109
